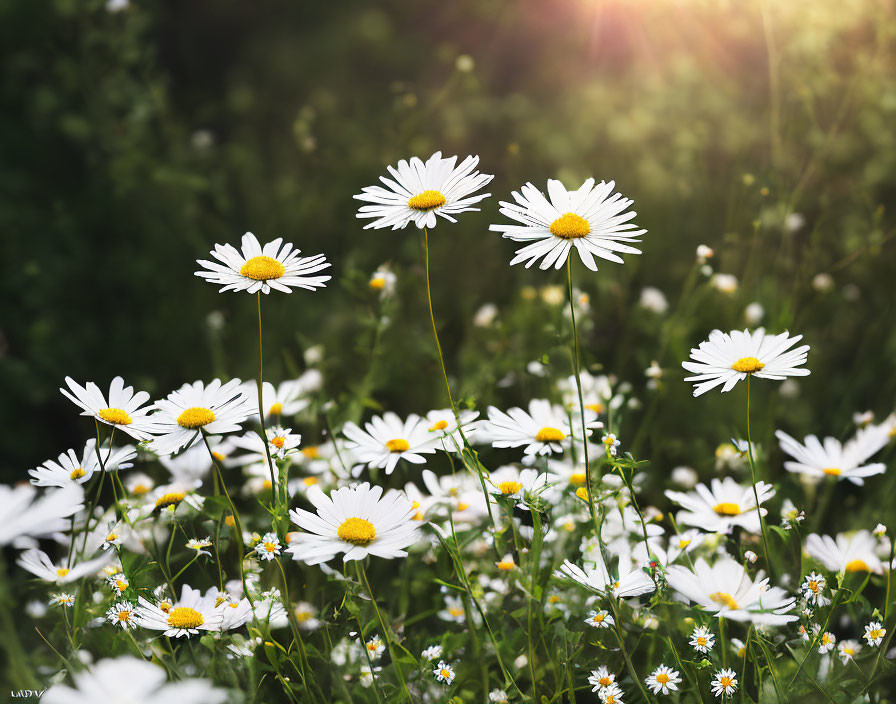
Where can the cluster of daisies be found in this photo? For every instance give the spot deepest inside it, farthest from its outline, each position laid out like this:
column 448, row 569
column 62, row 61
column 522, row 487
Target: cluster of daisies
column 557, row 527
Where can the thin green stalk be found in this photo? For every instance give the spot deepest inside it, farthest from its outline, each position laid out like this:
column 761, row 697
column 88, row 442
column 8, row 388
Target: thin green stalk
column 768, row 563
column 617, row 631
column 267, row 450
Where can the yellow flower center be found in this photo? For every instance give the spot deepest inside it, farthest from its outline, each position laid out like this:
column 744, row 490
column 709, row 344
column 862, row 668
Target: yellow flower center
column 857, row 566
column 278, row 442
column 165, row 606
column 111, row 537
column 439, row 425
column 582, row 493
column 377, row 283
column 553, row 599
column 121, row 584
column 270, row 547
column 723, row 599
column 276, row 409
column 428, row 200
column 741, row 652
column 505, row 565
column 832, row 471
column 76, row 473
column 848, row 651
column 124, row 615
column 747, row 365
column 605, row 681
column 725, row 681
column 596, row 407
column 548, row 434
column 172, row 498
column 445, row 673
column 662, row 678
column 701, row 641
column 727, row 509
column 577, row 478
column 302, row 616
column 195, row 417
column 509, row 487
column 682, row 544
column 462, row 505
column 310, row 481
column 398, row 445
column 62, row 571
column 220, row 456
column 140, row 490
column 357, row 531
column 598, row 618
column 570, row 227
column 230, row 521
column 115, row 416
column 312, row 452
column 876, row 633
column 813, row 586
column 455, row 611
column 185, row 617
column 826, row 638
column 262, row 268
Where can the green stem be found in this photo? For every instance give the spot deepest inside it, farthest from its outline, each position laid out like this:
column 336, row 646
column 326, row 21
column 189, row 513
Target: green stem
column 267, row 450
column 768, row 563
column 617, row 631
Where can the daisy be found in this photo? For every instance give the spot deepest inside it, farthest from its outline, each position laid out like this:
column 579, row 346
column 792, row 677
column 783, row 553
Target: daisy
column 290, row 397
column 724, row 682
column 186, row 617
column 847, row 649
column 260, row 269
column 543, row 430
column 199, row 544
column 433, row 652
column 306, row 616
column 125, row 409
column 443, row 424
column 600, row 678
column 386, row 440
column 280, row 443
column 719, row 509
column 632, row 580
column 68, row 469
column 118, row 582
column 826, row 642
column 663, row 679
column 727, row 590
column 727, row 358
column 121, row 614
column 497, row 696
column 356, row 520
column 812, row 589
column 132, row 679
column 268, row 547
column 702, row 639
column 454, row 610
column 874, row 633
column 849, row 552
column 597, row 392
column 63, row 599
column 600, row 619
column 383, row 282
column 27, row 515
column 375, row 647
column 833, row 459
column 589, row 219
column 444, row 672
column 610, row 443
column 38, row 563
column 420, row 191
column 214, row 409
column 739, row 647
column 520, row 483
column 611, row 694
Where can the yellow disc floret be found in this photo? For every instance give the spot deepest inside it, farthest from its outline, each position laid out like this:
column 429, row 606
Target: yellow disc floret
column 570, row 227
column 726, row 508
column 357, row 531
column 61, row 572
column 832, row 471
column 276, row 409
column 115, row 416
column 857, row 566
column 195, row 417
column 262, row 268
column 185, row 617
column 398, row 445
column 747, row 365
column 428, row 200
column 278, row 442
column 510, row 487
column 724, row 599
column 172, row 498
column 548, row 434
column 439, row 425
column 76, row 473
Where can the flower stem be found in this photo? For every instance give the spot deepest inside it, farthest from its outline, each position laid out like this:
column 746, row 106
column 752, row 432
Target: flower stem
column 264, row 439
column 768, row 563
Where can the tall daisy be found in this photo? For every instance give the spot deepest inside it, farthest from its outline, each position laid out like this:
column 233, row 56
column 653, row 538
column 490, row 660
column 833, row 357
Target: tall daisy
column 356, row 520
column 543, row 430
column 727, row 358
column 589, row 219
column 124, row 409
column 69, row 469
column 215, row 408
column 387, row 439
column 191, row 614
column 419, row 191
column 726, row 589
column 723, row 505
column 833, row 459
column 257, row 269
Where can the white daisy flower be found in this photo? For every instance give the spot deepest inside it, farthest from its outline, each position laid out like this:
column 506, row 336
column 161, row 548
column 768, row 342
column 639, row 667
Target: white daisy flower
column 386, row 440
column 68, row 469
column 420, row 191
column 138, row 483
column 280, row 442
column 727, row 590
column 589, row 219
column 663, row 679
column 833, row 459
column 683, row 543
column 121, row 614
column 215, row 409
column 497, row 696
column 724, row 682
column 118, row 582
column 290, row 397
column 726, row 358
column 256, row 268
column 611, row 694
column 702, row 639
column 723, row 506
column 874, row 633
column 375, row 647
column 444, row 672
column 433, row 652
column 188, row 616
column 306, row 616
column 600, row 619
column 632, row 580
column 597, row 392
column 812, row 589
column 847, row 649
column 826, row 642
column 443, row 425
column 454, row 610
column 357, row 520
column 512, row 481
column 125, row 409
column 63, row 599
column 133, row 680
column 600, row 678
column 383, row 282
column 27, row 514
column 610, row 443
column 367, row 676
column 791, row 515
column 199, row 545
column 268, row 547
column 849, row 552
column 38, row 563
column 543, row 430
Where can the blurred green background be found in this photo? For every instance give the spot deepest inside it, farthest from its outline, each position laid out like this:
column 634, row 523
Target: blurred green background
column 134, row 138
